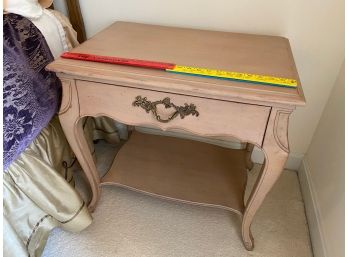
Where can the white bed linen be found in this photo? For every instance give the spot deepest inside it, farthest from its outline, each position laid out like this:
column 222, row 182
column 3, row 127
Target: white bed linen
column 53, row 32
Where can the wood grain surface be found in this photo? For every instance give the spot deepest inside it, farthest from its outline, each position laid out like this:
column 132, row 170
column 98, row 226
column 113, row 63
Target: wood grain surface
column 264, row 55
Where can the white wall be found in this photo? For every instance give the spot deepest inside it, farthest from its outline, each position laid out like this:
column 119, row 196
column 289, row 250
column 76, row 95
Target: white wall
column 61, row 6
column 315, row 29
column 322, row 177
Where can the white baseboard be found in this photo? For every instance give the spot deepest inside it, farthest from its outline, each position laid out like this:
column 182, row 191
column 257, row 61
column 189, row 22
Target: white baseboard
column 314, row 217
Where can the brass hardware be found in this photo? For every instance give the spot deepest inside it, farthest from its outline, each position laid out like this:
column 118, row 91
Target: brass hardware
column 148, row 106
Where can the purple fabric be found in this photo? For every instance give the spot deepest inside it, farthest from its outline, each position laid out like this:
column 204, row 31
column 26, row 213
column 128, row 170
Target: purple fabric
column 31, row 95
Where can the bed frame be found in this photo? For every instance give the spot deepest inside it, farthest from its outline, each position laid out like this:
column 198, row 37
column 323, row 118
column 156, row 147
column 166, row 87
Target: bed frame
column 75, row 16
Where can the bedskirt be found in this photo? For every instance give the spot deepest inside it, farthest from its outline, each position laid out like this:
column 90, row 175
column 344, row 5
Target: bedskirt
column 38, row 189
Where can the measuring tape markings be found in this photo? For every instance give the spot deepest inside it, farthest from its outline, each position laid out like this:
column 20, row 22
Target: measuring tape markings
column 233, row 79
column 237, row 76
column 188, row 70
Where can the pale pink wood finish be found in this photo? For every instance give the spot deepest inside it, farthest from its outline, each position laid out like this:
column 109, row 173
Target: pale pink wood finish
column 69, row 116
column 264, row 55
column 216, row 118
column 253, row 113
column 182, row 170
column 275, row 157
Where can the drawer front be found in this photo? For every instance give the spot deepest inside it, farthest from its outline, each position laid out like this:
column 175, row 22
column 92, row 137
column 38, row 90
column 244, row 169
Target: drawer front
column 209, row 117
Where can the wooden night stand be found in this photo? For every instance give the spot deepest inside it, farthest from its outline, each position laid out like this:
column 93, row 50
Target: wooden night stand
column 173, row 168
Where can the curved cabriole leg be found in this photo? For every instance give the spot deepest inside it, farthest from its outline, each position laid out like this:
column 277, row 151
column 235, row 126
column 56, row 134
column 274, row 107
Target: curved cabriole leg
column 69, row 117
column 249, row 150
column 275, row 148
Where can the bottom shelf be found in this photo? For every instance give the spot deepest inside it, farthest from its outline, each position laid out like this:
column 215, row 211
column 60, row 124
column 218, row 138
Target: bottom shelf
column 181, row 170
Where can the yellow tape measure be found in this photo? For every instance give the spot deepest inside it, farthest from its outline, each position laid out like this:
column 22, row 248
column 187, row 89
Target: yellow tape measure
column 253, row 78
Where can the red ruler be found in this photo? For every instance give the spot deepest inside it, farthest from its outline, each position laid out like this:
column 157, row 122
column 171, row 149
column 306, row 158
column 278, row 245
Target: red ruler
column 186, row 70
column 118, row 60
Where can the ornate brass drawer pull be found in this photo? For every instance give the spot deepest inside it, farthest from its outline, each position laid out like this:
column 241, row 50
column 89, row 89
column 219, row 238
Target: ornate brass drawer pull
column 148, row 106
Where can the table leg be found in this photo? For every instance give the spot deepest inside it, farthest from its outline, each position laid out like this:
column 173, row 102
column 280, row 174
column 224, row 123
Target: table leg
column 275, row 148
column 71, row 123
column 249, row 150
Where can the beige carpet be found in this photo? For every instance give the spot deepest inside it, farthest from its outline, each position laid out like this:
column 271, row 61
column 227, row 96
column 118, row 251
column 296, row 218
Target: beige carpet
column 129, row 224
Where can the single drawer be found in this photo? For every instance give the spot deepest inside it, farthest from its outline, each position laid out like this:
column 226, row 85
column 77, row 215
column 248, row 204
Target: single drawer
column 209, row 117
